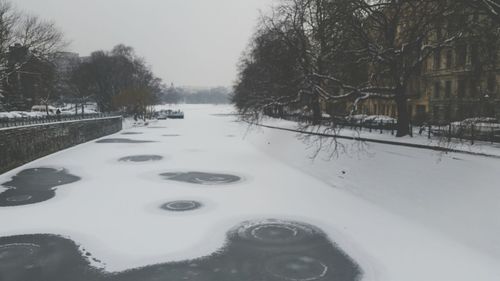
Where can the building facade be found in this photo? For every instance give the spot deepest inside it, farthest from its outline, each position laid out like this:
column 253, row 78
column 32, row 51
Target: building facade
column 65, row 63
column 21, row 86
column 457, row 89
column 33, row 81
column 456, row 82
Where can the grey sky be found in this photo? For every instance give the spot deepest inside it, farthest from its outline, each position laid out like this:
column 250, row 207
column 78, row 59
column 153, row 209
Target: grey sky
column 188, row 42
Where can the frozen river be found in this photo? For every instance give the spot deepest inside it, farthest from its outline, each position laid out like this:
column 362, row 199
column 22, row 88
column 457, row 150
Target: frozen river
column 205, row 199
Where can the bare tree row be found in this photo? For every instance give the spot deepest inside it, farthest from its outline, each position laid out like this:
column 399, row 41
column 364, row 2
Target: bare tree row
column 117, row 80
column 308, row 52
column 41, row 38
column 30, row 49
column 26, row 45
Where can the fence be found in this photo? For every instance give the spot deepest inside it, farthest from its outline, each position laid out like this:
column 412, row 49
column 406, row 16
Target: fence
column 471, row 132
column 489, row 132
column 24, row 121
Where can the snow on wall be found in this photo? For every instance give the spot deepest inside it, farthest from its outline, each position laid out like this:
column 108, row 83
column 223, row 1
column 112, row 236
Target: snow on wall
column 20, row 145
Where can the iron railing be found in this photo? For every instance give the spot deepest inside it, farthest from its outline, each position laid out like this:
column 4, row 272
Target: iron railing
column 471, row 132
column 26, row 121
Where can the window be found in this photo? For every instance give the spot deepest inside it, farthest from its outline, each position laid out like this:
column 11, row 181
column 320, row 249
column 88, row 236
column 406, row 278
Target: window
column 468, row 112
column 439, row 32
column 420, row 109
column 474, row 54
column 437, row 90
column 460, row 113
column 475, row 17
column 494, row 57
column 437, row 59
column 461, row 55
column 473, row 88
column 462, row 84
column 448, row 89
column 492, row 81
column 435, row 113
column 447, row 113
column 449, row 57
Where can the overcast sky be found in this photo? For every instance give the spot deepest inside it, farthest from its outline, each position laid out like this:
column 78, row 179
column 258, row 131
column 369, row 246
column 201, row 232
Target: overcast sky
column 188, row 42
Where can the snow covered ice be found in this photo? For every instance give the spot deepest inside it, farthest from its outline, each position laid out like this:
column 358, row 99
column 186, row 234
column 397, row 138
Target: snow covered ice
column 383, row 213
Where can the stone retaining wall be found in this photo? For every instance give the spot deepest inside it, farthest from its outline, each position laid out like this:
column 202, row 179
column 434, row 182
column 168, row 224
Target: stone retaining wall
column 21, row 145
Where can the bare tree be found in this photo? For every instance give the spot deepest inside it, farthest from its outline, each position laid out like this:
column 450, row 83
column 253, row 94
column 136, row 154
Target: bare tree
column 41, row 37
column 490, row 8
column 305, row 43
column 26, row 44
column 113, row 78
column 358, row 50
column 8, row 20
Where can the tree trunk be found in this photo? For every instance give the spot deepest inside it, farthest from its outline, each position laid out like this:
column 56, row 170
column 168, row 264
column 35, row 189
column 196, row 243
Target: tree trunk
column 316, row 108
column 403, row 125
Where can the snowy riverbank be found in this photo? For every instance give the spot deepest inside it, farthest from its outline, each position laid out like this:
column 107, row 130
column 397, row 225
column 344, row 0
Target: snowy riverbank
column 400, row 213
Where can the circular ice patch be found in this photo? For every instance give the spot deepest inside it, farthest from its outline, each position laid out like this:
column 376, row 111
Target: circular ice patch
column 202, row 178
column 170, row 273
column 275, row 232
column 296, row 268
column 141, row 158
column 119, row 140
column 15, row 197
column 181, row 206
column 19, row 198
column 41, row 179
column 17, row 252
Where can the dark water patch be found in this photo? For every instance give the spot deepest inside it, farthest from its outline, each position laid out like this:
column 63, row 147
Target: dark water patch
column 225, row 114
column 132, row 133
column 181, row 206
column 41, row 179
column 43, row 258
column 231, row 136
column 296, row 267
column 20, row 197
column 141, row 158
column 244, row 258
column 171, row 135
column 278, row 232
column 33, row 186
column 123, row 141
column 201, row 178
column 156, row 127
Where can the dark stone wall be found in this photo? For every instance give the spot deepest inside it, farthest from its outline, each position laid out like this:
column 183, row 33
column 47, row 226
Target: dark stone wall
column 21, row 145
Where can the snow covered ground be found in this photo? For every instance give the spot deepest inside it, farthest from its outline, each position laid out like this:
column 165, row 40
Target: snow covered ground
column 400, row 213
column 479, row 147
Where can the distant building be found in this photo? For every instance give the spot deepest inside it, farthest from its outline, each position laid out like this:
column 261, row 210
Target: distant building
column 454, row 88
column 65, row 63
column 21, row 86
column 451, row 86
column 86, row 59
column 32, row 81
